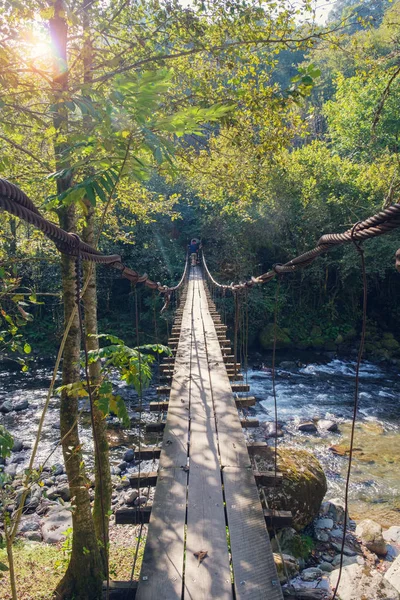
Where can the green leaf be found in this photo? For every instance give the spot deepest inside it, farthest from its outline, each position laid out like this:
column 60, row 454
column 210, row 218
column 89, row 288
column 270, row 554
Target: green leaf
column 27, row 348
column 6, row 442
column 3, row 567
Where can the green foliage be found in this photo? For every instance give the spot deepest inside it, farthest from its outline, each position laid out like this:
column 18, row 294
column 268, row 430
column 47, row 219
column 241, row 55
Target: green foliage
column 6, row 442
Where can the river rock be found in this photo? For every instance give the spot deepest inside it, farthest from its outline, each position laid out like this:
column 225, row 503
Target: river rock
column 129, row 455
column 308, row 427
column 392, row 534
column 18, row 459
column 358, row 582
column 18, row 446
column 6, row 407
column 303, row 487
column 327, row 425
column 11, row 469
column 347, row 560
column 140, row 501
column 346, row 549
column 287, row 364
column 334, row 509
column 122, row 465
column 272, row 431
column 33, row 536
column 30, row 524
column 289, row 565
column 130, row 497
column 326, row 567
column 21, row 405
column 57, row 469
column 57, row 521
column 393, row 574
column 64, row 492
column 311, row 574
column 323, row 524
column 370, row 533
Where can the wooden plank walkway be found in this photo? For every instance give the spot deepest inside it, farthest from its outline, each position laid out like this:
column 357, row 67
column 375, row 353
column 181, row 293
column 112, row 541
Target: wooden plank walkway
column 206, row 498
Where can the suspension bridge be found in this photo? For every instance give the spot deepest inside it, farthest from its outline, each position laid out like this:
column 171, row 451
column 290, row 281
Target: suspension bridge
column 207, row 527
column 207, row 536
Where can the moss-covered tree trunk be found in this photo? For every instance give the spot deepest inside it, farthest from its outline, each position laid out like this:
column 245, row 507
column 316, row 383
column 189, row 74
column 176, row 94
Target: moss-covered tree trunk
column 103, row 486
column 84, row 575
column 103, row 490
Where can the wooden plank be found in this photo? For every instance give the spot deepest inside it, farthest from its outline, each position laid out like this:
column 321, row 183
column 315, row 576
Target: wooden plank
column 120, row 590
column 245, row 402
column 260, row 449
column 206, row 528
column 248, row 423
column 157, row 406
column 254, row 569
column 162, row 568
column 133, row 516
column 155, row 427
column 240, row 387
column 145, row 479
column 147, row 453
column 267, row 478
column 278, row 519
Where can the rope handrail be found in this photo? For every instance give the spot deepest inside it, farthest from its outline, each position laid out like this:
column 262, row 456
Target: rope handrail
column 383, row 222
column 17, row 203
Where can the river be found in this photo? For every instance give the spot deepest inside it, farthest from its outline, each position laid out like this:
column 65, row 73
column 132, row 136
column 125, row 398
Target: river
column 311, row 387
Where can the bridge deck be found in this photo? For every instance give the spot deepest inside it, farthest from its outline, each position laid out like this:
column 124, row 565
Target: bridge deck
column 206, row 499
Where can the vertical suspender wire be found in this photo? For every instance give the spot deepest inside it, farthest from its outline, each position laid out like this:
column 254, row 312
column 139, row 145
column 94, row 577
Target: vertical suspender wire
column 246, row 349
column 236, row 328
column 78, row 265
column 360, row 251
column 278, row 286
column 158, row 359
column 138, row 510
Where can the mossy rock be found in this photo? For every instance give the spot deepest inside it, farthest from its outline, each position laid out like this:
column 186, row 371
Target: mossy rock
column 267, row 338
column 303, row 488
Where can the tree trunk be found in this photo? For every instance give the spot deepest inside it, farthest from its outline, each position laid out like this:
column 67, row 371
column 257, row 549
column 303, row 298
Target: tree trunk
column 102, row 502
column 84, row 575
column 103, row 486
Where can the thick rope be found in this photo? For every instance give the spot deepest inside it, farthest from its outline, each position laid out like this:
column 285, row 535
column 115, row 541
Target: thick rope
column 379, row 224
column 17, row 203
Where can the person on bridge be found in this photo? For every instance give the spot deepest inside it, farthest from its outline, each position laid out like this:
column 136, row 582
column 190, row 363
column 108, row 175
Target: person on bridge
column 194, row 247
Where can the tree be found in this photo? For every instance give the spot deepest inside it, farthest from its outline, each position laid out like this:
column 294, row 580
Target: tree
column 368, row 12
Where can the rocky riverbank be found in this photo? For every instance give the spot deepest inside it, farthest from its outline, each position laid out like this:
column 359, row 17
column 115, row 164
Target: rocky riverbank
column 311, row 559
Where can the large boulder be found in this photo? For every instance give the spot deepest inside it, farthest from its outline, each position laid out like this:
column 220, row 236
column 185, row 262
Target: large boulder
column 371, row 536
column 303, row 487
column 267, row 338
column 358, row 581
